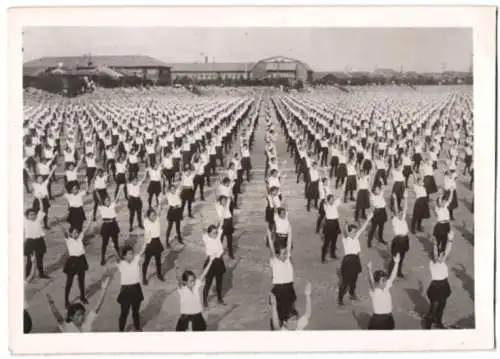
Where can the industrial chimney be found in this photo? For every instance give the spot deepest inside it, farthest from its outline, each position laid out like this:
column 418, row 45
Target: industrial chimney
column 206, row 59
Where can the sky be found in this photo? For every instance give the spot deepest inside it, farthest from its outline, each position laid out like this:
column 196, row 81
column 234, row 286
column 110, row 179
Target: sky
column 324, row 49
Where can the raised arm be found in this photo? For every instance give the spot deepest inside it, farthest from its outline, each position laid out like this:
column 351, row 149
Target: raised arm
column 55, row 311
column 307, row 293
column 363, row 227
column 207, row 268
column 394, row 272
column 371, row 282
column 274, row 312
column 31, row 274
column 449, row 245
column 271, row 244
column 102, row 294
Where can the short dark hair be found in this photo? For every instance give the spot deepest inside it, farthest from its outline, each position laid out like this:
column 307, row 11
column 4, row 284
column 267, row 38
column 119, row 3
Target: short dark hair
column 72, row 309
column 187, row 274
column 126, row 248
column 378, row 275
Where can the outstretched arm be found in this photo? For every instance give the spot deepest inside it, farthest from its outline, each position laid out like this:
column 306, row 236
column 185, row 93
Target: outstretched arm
column 104, row 289
column 274, row 312
column 394, row 272
column 271, row 244
column 55, row 311
column 371, row 282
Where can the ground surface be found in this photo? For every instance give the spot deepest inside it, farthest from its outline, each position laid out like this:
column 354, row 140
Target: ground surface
column 247, row 281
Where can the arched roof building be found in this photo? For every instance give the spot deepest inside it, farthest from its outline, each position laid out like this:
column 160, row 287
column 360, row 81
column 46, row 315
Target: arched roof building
column 282, row 67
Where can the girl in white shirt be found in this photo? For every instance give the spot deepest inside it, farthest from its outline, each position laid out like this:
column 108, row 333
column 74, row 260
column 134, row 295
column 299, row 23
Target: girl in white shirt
column 351, row 182
column 199, row 176
column 76, row 214
column 226, row 219
column 109, row 227
column 90, row 163
column 421, row 207
column 188, row 287
column 76, row 264
column 380, row 285
column 214, row 262
column 130, row 295
column 187, row 193
column 283, row 278
column 429, row 180
column 121, row 178
column 167, row 164
column 154, row 187
column 282, row 228
column 362, row 196
column 450, row 188
column 133, row 164
column 439, row 289
column 400, row 243
column 313, row 186
column 34, row 241
column 351, row 263
column 154, row 247
column 292, row 320
column 77, row 318
column 442, row 227
column 379, row 215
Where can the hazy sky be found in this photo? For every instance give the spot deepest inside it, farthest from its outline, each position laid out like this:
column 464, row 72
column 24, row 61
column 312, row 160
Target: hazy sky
column 324, row 49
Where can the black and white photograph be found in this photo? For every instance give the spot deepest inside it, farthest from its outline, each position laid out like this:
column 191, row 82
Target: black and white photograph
column 250, row 179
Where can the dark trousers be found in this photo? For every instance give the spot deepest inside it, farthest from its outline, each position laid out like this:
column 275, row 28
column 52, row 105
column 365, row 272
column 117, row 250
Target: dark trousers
column 357, row 211
column 150, row 199
column 189, row 205
column 329, row 244
column 145, row 264
column 177, row 229
column 39, row 263
column 197, row 321
column 105, row 241
column 374, row 227
column 199, row 182
column 416, row 223
column 435, row 314
column 132, row 214
column 229, row 236
column 124, row 310
column 348, row 282
column 69, row 284
column 208, row 283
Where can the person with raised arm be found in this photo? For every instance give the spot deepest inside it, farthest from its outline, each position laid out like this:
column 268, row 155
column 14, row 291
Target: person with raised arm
column 214, row 262
column 421, row 207
column 380, row 285
column 121, row 175
column 41, row 194
column 331, row 229
column 76, row 264
column 154, row 247
column 130, row 296
column 76, row 213
column 292, row 321
column 283, row 278
column 154, row 187
column 401, row 242
column 77, row 319
column 188, row 288
column 362, row 196
column 442, row 227
column 439, row 289
column 109, row 227
column 34, row 242
column 379, row 215
column 187, row 193
column 71, row 174
column 351, row 263
column 135, row 201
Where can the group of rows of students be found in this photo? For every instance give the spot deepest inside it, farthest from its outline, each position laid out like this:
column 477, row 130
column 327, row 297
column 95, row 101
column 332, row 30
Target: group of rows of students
column 352, row 166
column 234, row 120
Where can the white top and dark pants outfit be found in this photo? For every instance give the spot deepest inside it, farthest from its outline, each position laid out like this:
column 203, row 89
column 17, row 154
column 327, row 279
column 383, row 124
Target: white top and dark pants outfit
column 442, row 228
column 35, row 242
column 109, row 229
column 226, row 217
column 76, row 214
column 382, row 318
column 76, row 264
column 190, row 301
column 174, row 216
column 214, row 249
column 438, row 292
column 349, row 269
column 283, row 287
column 378, row 220
column 312, row 188
column 331, row 230
column 400, row 244
column 420, row 209
column 130, row 292
column 154, row 248
column 187, row 193
column 134, row 205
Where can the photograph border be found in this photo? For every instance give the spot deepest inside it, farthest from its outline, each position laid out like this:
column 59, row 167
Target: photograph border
column 481, row 19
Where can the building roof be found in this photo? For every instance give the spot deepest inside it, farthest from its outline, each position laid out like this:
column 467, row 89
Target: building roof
column 109, row 61
column 281, row 66
column 212, row 67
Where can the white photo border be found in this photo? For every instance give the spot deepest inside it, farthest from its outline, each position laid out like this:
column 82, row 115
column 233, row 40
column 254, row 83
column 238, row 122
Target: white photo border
column 481, row 19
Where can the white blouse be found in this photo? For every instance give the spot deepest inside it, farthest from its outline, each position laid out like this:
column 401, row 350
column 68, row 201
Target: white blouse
column 400, row 227
column 154, row 175
column 75, row 246
column 439, row 270
column 213, row 246
column 381, row 300
column 134, row 190
column 130, row 273
column 398, row 176
column 173, row 199
column 187, row 181
column 282, row 225
column 40, row 190
column 34, row 229
column 351, row 245
column 108, row 212
column 442, row 214
column 378, row 201
column 282, row 271
column 332, row 211
column 314, row 175
column 420, row 191
column 75, row 200
column 100, row 182
column 151, row 229
column 190, row 301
